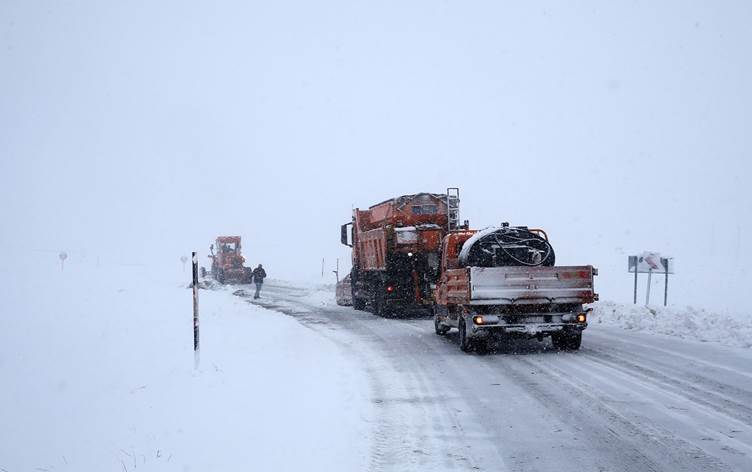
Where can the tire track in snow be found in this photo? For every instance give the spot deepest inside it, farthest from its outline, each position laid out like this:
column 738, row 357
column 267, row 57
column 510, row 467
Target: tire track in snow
column 649, row 447
column 402, row 439
column 697, row 424
column 635, row 348
column 690, row 390
column 613, row 435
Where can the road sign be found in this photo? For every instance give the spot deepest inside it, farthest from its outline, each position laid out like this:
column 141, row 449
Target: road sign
column 648, row 262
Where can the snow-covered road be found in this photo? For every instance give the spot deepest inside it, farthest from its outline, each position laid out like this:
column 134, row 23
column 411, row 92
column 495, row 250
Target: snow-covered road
column 626, row 402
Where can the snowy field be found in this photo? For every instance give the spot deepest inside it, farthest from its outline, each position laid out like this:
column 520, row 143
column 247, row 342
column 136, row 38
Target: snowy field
column 98, row 374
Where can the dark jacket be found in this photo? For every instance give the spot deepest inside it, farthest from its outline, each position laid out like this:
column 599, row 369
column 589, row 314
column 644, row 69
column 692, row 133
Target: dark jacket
column 259, row 274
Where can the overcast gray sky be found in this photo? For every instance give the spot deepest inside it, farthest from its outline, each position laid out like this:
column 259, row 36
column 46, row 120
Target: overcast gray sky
column 141, row 130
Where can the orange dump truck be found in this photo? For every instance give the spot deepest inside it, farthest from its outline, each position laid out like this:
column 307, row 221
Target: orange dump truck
column 396, row 250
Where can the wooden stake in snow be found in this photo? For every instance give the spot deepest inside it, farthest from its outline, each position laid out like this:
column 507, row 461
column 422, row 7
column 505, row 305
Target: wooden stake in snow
column 195, row 310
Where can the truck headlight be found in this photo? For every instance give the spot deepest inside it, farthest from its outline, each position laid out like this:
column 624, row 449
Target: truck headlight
column 581, row 318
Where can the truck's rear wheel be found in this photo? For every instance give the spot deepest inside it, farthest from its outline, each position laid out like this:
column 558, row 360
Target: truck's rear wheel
column 440, row 329
column 375, row 304
column 574, row 342
column 566, row 342
column 378, row 301
column 359, row 303
column 465, row 343
column 221, row 276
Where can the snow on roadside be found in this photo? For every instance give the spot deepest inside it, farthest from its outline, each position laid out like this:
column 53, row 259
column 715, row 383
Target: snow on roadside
column 688, row 322
column 321, row 295
column 98, row 375
column 314, row 294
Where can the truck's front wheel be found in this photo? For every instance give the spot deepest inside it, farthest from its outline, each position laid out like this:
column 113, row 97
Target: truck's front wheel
column 465, row 343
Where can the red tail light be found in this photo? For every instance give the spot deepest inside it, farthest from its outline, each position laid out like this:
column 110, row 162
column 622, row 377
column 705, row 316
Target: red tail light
column 389, row 289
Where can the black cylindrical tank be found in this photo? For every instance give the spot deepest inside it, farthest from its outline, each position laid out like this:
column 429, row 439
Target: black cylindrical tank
column 506, row 246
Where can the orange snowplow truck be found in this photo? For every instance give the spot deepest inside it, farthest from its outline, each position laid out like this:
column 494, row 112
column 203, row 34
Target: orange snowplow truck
column 227, row 262
column 396, row 250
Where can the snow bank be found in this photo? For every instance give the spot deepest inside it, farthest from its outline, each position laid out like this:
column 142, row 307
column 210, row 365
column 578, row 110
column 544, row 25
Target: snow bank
column 689, row 323
column 321, row 295
column 310, row 293
column 98, row 374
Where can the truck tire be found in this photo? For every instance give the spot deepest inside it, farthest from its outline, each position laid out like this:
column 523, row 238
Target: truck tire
column 574, row 342
column 379, row 306
column 221, row 276
column 359, row 303
column 440, row 329
column 465, row 344
column 377, row 299
column 373, row 303
column 567, row 342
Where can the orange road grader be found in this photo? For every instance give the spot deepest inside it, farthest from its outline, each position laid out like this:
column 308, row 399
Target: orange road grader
column 227, row 262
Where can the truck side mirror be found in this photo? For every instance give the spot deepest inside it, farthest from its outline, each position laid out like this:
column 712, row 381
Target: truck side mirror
column 344, row 234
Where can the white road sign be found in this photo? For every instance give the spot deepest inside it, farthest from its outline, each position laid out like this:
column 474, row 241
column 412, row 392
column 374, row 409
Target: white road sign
column 648, row 262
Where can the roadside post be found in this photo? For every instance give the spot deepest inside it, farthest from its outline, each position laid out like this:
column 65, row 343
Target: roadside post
column 664, row 261
column 63, row 256
column 183, row 259
column 196, row 356
column 336, row 271
column 647, row 263
column 632, row 267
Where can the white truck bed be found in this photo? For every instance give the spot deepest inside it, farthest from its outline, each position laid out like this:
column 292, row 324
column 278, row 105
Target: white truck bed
column 531, row 285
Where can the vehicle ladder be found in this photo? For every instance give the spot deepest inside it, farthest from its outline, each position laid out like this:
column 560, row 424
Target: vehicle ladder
column 453, row 208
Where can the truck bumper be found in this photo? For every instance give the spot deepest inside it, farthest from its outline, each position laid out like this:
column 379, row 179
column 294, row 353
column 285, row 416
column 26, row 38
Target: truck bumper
column 408, row 306
column 529, row 330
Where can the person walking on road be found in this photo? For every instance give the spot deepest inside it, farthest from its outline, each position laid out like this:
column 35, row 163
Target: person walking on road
column 259, row 274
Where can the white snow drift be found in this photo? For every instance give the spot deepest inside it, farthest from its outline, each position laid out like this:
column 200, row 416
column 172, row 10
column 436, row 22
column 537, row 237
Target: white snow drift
column 684, row 322
column 98, row 374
